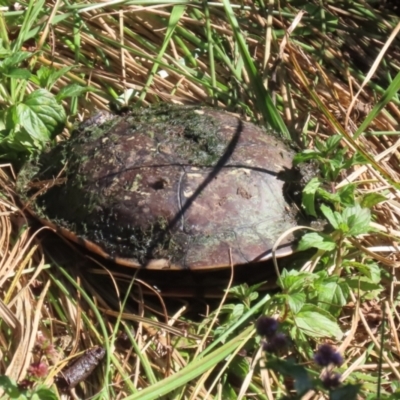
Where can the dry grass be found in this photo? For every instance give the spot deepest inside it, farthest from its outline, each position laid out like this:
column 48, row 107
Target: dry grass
column 324, row 81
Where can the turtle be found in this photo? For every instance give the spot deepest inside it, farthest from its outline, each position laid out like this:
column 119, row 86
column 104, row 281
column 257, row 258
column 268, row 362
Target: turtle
column 168, row 187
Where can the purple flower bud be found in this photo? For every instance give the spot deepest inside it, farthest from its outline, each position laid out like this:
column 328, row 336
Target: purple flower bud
column 276, row 343
column 326, row 355
column 331, row 380
column 266, row 326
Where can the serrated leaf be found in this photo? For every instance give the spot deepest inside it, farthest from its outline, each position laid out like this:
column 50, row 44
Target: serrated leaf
column 73, row 90
column 14, row 59
column 316, row 322
column 239, row 290
column 346, row 195
column 18, row 73
column 19, row 141
column 293, row 280
column 333, row 142
column 357, row 219
column 308, row 200
column 54, row 75
column 333, row 295
column 371, row 199
column 240, row 366
column 371, row 271
column 44, row 106
column 237, row 311
column 316, row 240
column 33, row 123
column 253, row 296
column 330, row 216
column 325, row 195
column 363, row 283
column 304, row 156
column 44, row 393
column 320, row 145
column 42, row 75
column 296, row 301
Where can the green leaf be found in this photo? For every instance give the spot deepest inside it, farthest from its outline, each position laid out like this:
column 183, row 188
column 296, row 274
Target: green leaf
column 317, row 240
column 320, row 145
column 363, row 284
column 328, row 196
column 308, row 200
column 330, row 216
column 316, row 322
column 348, row 392
column 346, row 194
column 44, row 111
column 239, row 366
column 42, row 76
column 371, row 199
column 73, row 90
column 302, row 382
column 296, row 301
column 10, row 387
column 332, row 295
column 291, row 281
column 304, row 156
column 357, row 219
column 31, row 125
column 371, row 271
column 14, row 59
column 45, row 393
column 56, row 74
column 31, row 122
column 18, row 73
column 237, row 312
column 333, row 142
column 243, row 292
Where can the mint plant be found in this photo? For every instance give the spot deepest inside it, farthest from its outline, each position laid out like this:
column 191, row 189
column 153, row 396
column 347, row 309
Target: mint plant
column 332, row 161
column 305, row 379
column 16, row 391
column 31, row 116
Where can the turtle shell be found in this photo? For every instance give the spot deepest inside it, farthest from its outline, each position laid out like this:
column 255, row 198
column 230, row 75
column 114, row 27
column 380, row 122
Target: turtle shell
column 167, row 187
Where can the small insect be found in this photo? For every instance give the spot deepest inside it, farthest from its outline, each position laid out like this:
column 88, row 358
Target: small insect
column 81, row 368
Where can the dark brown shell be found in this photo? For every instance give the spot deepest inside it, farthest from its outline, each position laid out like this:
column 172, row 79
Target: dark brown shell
column 168, row 187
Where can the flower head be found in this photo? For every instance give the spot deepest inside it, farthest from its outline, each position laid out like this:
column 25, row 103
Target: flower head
column 331, row 380
column 266, row 326
column 276, row 343
column 326, row 355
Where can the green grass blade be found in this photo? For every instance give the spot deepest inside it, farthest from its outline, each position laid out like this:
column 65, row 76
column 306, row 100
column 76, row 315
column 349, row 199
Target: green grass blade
column 263, row 99
column 176, row 14
column 191, row 371
column 391, row 92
